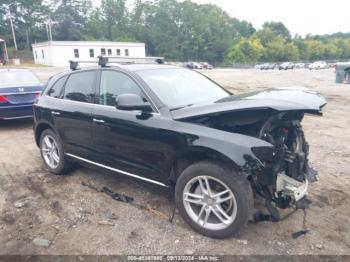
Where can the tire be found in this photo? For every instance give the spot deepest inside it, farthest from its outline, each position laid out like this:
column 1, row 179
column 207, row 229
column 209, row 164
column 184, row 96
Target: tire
column 61, row 165
column 220, row 178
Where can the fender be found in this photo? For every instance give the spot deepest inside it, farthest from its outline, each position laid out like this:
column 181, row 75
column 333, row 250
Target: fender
column 233, row 148
column 39, row 127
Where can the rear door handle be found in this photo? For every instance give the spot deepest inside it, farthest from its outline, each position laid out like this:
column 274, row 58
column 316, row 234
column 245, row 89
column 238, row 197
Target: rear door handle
column 55, row 113
column 100, row 121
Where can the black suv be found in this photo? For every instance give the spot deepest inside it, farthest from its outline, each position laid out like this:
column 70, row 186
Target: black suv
column 178, row 129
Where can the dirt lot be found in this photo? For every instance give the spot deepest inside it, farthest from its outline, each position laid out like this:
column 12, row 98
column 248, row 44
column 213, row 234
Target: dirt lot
column 77, row 220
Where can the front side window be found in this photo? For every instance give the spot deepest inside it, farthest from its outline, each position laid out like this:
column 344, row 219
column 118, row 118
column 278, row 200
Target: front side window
column 76, row 53
column 92, row 53
column 116, row 83
column 181, row 87
column 79, row 86
column 57, row 88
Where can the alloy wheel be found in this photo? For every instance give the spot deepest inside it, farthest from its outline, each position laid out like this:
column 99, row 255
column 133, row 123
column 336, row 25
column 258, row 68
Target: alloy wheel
column 209, row 202
column 50, row 151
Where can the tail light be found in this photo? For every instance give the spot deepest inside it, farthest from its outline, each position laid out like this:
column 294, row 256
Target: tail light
column 38, row 94
column 3, row 99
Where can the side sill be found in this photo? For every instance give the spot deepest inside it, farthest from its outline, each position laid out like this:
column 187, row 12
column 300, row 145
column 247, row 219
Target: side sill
column 116, row 170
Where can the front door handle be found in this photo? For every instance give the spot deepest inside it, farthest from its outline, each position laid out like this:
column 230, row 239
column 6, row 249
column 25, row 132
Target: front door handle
column 100, row 121
column 55, row 113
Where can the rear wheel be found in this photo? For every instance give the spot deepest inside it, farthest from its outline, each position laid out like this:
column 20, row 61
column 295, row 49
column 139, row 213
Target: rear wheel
column 213, row 200
column 53, row 154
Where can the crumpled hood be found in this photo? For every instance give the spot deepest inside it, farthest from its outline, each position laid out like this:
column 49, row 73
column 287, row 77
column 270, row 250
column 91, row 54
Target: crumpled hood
column 279, row 99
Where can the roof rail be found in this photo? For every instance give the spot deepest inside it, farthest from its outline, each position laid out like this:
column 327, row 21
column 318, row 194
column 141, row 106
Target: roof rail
column 136, row 59
column 73, row 65
column 104, row 60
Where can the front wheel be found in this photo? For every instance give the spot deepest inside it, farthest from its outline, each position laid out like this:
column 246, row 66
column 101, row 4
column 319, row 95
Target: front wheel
column 213, row 200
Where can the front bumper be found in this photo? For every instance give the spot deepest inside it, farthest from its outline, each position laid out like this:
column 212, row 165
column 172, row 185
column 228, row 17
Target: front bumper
column 291, row 187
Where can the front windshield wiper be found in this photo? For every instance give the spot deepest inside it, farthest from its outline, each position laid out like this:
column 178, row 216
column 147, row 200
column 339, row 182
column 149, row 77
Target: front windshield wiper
column 180, row 107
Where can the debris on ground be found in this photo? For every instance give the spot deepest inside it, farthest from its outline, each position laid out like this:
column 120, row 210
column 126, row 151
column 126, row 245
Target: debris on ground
column 41, row 242
column 106, row 223
column 22, row 203
column 127, row 199
column 242, row 241
column 156, row 212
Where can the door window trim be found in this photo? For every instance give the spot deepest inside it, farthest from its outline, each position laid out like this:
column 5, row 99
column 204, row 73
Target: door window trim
column 97, row 91
column 54, row 83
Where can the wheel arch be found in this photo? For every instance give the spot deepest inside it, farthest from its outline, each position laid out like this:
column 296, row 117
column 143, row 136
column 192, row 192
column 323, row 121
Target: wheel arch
column 39, row 129
column 197, row 154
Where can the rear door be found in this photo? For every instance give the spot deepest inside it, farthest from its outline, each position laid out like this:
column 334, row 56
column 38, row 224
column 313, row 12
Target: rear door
column 125, row 140
column 71, row 111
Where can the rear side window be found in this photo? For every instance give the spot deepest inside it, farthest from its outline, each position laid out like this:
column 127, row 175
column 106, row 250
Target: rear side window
column 57, row 88
column 79, row 86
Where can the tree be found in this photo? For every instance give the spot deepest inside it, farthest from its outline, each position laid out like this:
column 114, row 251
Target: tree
column 69, row 19
column 279, row 28
column 247, row 50
column 114, row 15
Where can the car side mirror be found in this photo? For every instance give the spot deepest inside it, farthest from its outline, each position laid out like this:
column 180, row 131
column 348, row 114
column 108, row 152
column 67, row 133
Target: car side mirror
column 131, row 102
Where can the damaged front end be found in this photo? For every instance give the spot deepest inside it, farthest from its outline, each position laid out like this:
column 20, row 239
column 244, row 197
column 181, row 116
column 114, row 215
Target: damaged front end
column 284, row 174
column 279, row 173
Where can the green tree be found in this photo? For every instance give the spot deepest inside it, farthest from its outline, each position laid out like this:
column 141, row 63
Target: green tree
column 114, row 15
column 247, row 50
column 279, row 28
column 69, row 19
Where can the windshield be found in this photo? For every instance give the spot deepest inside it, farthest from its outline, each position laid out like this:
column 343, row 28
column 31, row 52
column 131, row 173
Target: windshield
column 180, row 87
column 15, row 77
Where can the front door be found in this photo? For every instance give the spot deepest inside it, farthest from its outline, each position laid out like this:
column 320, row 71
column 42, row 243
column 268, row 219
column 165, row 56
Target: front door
column 125, row 140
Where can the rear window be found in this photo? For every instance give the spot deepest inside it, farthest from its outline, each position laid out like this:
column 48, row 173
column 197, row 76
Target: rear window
column 10, row 77
column 79, row 86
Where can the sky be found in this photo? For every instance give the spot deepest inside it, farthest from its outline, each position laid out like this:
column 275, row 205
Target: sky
column 300, row 16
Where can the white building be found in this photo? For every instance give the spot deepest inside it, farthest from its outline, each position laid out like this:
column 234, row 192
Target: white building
column 58, row 53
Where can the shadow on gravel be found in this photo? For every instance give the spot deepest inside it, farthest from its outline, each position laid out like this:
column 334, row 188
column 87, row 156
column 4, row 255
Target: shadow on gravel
column 16, row 123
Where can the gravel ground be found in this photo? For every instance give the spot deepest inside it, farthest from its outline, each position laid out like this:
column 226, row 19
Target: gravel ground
column 45, row 214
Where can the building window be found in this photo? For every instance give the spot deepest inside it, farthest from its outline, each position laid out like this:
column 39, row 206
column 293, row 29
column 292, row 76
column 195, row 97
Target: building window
column 103, row 51
column 109, row 51
column 92, row 54
column 118, row 51
column 42, row 53
column 76, row 53
column 126, row 52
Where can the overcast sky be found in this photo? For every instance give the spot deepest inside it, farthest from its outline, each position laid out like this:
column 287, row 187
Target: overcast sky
column 300, row 16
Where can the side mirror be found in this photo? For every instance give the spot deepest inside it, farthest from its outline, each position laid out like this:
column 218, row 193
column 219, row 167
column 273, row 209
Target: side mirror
column 131, row 102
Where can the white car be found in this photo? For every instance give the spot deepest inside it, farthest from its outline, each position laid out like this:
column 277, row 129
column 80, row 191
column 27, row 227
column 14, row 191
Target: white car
column 318, row 65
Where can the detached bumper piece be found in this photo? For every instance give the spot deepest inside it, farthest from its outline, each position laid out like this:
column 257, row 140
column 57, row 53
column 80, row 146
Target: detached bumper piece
column 288, row 186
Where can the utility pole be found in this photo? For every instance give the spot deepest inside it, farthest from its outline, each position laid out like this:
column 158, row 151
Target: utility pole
column 50, row 32
column 12, row 29
column 47, row 32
